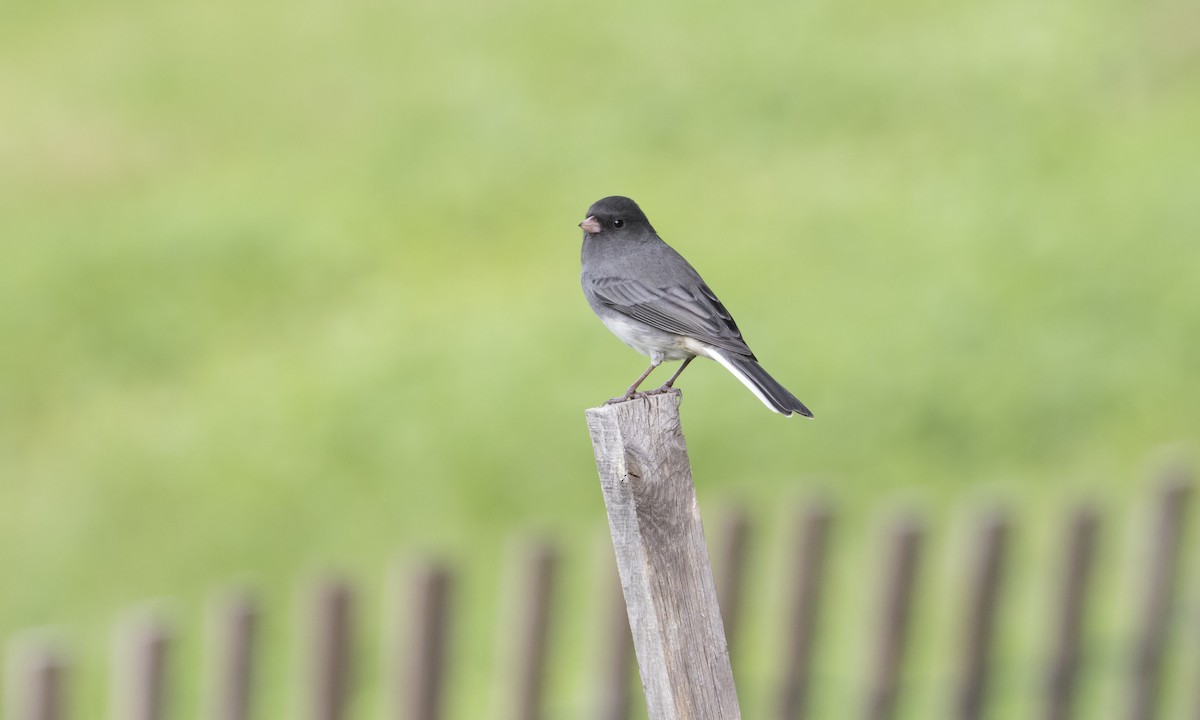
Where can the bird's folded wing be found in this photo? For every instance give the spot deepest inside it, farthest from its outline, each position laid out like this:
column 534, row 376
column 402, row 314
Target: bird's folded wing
column 691, row 311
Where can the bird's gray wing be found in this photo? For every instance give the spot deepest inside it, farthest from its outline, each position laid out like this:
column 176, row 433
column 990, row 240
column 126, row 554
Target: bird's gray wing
column 693, row 311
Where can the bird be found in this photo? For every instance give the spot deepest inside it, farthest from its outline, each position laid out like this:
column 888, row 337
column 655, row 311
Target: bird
column 655, row 302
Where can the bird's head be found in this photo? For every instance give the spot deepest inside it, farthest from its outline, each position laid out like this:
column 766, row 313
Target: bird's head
column 615, row 216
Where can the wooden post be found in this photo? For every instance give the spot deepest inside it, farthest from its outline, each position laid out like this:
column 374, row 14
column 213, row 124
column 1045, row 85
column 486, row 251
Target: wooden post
column 539, row 562
column 424, row 655
column 904, row 548
column 37, row 679
column 141, row 691
column 1159, row 600
column 732, row 549
column 616, row 670
column 331, row 618
column 235, row 631
column 804, row 598
column 981, row 618
column 665, row 571
column 1063, row 671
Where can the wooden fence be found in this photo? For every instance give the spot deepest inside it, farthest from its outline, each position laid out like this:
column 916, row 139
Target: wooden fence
column 39, row 675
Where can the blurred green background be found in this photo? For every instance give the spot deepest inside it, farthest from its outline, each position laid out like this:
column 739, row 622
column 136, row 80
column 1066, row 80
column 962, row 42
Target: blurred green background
column 291, row 287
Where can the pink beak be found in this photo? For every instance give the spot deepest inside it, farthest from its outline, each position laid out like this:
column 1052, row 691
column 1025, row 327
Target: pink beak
column 591, row 226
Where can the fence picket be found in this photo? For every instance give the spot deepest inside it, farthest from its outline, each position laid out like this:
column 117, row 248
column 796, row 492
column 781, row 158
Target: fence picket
column 38, row 681
column 1063, row 670
column 1158, row 603
column 981, row 619
column 732, row 546
column 540, row 562
column 424, row 668
column 236, row 626
column 900, row 572
column 141, row 691
column 804, row 597
column 331, row 627
column 616, row 670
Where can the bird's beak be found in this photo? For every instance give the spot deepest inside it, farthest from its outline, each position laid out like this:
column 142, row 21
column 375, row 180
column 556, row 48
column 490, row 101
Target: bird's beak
column 591, row 226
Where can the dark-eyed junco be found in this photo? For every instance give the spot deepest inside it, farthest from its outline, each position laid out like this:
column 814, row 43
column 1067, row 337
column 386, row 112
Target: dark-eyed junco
column 656, row 303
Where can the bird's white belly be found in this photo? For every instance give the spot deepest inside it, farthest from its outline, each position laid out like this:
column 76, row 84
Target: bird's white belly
column 650, row 342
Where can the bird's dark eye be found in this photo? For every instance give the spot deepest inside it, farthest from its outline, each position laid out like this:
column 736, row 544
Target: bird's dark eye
column 618, row 223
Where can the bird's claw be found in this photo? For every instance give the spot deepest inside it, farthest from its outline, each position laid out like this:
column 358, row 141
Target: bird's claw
column 641, row 394
column 626, row 397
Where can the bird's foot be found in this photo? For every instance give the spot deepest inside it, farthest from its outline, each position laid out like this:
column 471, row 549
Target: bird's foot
column 642, row 395
column 628, row 396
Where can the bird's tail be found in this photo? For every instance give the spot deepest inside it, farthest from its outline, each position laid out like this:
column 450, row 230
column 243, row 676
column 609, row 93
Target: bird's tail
column 752, row 375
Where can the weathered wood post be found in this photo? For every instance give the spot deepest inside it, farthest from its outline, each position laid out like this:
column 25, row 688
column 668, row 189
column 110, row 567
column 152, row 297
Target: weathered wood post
column 144, row 644
column 36, row 681
column 663, row 560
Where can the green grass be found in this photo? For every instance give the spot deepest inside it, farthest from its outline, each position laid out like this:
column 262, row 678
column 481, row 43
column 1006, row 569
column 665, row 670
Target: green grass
column 295, row 287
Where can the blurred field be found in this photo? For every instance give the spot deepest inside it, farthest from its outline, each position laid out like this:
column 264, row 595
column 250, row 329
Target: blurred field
column 287, row 287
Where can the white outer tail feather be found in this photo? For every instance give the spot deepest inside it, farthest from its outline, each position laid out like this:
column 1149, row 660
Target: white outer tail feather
column 716, row 354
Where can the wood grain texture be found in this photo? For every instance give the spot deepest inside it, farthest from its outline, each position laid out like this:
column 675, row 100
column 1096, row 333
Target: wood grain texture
column 663, row 561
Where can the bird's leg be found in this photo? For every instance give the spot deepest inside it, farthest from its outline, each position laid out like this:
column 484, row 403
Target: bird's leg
column 671, row 383
column 654, row 362
column 641, row 378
